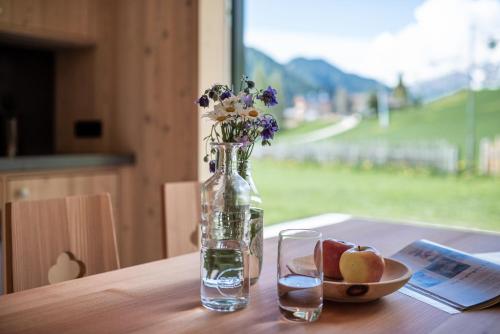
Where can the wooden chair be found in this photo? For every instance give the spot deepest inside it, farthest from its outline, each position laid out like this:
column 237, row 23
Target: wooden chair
column 52, row 240
column 181, row 212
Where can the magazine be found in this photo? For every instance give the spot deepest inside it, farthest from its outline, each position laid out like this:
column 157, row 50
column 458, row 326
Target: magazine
column 452, row 277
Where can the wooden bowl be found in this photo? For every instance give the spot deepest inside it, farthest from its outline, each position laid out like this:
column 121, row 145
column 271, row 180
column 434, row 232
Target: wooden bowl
column 396, row 274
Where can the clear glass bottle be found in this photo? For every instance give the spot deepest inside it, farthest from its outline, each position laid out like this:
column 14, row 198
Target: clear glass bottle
column 225, row 216
column 256, row 222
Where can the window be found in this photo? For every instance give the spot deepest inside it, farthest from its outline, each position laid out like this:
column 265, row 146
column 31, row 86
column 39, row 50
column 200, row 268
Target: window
column 388, row 109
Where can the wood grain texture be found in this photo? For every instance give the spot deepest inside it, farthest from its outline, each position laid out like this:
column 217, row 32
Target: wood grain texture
column 181, row 211
column 57, row 184
column 85, row 82
column 139, row 77
column 58, row 23
column 39, row 231
column 125, row 223
column 60, row 183
column 48, row 185
column 157, row 79
column 163, row 297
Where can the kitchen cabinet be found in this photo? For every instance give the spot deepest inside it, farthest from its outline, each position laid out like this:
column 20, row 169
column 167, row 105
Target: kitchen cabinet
column 44, row 186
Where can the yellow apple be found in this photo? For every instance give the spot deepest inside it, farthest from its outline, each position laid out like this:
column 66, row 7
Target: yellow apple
column 361, row 264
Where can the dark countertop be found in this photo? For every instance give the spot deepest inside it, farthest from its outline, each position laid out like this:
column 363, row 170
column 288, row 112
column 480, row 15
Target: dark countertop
column 64, row 161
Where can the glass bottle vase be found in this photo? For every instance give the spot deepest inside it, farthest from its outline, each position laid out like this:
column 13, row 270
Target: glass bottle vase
column 225, row 216
column 256, row 222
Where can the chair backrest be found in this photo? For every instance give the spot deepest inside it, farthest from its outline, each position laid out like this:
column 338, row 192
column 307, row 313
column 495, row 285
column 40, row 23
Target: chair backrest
column 181, row 212
column 46, row 239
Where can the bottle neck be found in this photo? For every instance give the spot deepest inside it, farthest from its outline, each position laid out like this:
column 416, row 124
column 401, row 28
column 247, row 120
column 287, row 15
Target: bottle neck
column 227, row 158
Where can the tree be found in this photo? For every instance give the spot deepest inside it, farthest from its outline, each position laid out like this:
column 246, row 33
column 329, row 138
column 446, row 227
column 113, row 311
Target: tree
column 373, row 103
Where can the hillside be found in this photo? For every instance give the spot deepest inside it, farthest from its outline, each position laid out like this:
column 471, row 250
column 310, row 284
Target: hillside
column 442, row 119
column 301, row 76
column 322, row 74
column 291, row 84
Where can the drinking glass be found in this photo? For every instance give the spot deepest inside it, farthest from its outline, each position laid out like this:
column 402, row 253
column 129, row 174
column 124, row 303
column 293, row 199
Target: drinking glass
column 300, row 275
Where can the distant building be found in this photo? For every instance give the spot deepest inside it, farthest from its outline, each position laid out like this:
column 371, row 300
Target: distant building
column 308, row 108
column 323, row 104
column 316, row 105
column 360, row 103
column 400, row 97
column 293, row 116
column 341, row 102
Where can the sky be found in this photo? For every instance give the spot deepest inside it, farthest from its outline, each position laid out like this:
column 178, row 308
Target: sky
column 422, row 39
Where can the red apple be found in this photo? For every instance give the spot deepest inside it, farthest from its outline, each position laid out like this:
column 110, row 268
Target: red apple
column 332, row 250
column 361, row 264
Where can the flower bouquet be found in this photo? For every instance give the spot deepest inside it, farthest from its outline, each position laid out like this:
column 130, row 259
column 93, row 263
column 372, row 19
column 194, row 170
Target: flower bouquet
column 238, row 119
column 239, row 122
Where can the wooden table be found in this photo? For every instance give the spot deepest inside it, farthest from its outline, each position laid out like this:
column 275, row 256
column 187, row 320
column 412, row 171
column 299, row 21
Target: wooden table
column 163, row 297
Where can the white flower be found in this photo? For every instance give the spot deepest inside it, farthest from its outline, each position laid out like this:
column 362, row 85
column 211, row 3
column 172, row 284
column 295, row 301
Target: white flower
column 250, row 112
column 218, row 114
column 232, row 105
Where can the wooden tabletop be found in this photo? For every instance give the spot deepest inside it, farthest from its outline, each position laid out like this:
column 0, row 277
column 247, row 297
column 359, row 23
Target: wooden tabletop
column 163, row 296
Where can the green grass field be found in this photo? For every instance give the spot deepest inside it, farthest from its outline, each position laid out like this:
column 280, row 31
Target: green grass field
column 442, row 119
column 292, row 190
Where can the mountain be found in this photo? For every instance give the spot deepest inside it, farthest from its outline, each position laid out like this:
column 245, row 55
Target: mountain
column 430, row 90
column 292, row 85
column 301, row 76
column 453, row 82
column 322, row 74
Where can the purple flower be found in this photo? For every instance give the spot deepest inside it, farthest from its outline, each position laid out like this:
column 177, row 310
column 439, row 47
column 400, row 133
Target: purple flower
column 247, row 100
column 211, row 166
column 248, row 125
column 225, row 95
column 269, row 127
column 268, row 97
column 243, row 140
column 203, row 101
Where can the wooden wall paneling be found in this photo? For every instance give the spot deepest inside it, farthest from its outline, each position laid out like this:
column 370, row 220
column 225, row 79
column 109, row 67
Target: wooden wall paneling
column 130, row 118
column 5, row 11
column 126, row 222
column 157, row 120
column 104, row 15
column 62, row 16
column 57, row 21
column 181, row 74
column 179, row 123
column 140, row 78
column 85, row 84
column 155, row 65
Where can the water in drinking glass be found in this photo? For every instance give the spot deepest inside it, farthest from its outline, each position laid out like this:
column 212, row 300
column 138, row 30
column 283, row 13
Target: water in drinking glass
column 300, row 297
column 300, row 275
